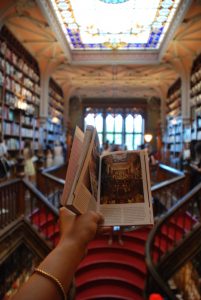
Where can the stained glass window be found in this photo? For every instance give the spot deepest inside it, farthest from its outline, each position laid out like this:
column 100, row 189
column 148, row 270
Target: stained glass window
column 134, row 127
column 97, row 121
column 120, row 128
column 113, row 129
column 110, row 24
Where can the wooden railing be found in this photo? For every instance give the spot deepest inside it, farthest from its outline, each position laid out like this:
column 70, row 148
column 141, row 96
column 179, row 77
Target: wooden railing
column 51, row 184
column 21, row 198
column 161, row 172
column 173, row 241
column 170, row 185
column 166, row 194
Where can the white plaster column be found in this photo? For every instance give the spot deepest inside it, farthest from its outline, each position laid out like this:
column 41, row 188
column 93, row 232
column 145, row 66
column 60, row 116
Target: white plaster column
column 44, row 95
column 67, row 89
column 162, row 92
column 183, row 67
column 44, row 99
column 185, row 97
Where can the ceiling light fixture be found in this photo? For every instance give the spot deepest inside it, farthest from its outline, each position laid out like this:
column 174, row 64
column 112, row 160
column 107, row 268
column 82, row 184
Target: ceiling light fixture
column 148, row 137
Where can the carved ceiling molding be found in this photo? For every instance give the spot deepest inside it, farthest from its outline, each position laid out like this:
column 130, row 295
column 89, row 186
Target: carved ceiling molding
column 177, row 21
column 48, row 12
column 127, row 57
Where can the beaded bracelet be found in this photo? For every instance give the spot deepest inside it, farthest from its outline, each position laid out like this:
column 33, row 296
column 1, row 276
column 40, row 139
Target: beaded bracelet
column 54, row 279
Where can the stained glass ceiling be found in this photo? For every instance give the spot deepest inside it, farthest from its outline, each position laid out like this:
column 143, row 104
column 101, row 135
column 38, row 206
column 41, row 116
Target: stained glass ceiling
column 115, row 24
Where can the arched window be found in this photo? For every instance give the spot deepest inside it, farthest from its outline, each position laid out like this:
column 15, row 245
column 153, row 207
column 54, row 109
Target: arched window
column 121, row 127
column 95, row 119
column 114, row 128
column 134, row 131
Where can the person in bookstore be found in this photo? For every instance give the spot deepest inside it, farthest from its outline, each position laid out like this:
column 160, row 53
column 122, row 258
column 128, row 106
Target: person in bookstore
column 4, row 164
column 52, row 278
column 49, row 156
column 58, row 153
column 29, row 167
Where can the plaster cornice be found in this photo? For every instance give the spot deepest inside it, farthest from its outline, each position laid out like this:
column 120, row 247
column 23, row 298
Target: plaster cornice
column 177, row 21
column 49, row 14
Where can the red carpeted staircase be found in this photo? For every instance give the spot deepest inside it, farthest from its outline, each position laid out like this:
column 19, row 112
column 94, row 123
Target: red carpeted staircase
column 113, row 271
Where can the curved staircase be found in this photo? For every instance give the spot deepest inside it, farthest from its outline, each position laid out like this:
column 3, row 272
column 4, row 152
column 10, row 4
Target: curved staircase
column 113, row 271
column 116, row 271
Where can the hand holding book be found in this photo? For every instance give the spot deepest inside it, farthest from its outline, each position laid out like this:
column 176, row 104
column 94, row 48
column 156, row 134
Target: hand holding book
column 116, row 184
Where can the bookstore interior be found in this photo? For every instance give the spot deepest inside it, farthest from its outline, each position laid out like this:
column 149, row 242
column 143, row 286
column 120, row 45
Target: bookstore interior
column 132, row 70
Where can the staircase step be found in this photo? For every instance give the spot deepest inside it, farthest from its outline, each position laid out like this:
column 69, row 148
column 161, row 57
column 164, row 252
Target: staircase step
column 120, row 256
column 108, row 289
column 135, row 245
column 50, row 230
column 111, row 271
column 135, row 235
column 172, row 230
column 183, row 220
column 41, row 218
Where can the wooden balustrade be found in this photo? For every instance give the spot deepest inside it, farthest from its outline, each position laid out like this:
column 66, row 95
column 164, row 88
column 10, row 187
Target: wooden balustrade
column 51, row 187
column 166, row 194
column 10, row 204
column 171, row 242
column 171, row 185
column 21, row 198
column 161, row 172
column 57, row 171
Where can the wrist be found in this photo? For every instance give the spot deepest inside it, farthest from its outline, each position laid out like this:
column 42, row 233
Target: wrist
column 72, row 245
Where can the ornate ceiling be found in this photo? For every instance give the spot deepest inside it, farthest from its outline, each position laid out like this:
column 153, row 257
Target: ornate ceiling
column 104, row 74
column 121, row 24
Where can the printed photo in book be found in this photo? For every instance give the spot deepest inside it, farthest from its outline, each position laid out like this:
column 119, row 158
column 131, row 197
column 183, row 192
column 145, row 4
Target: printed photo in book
column 116, row 184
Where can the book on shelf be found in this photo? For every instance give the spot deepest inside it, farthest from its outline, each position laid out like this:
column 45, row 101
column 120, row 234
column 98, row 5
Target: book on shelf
column 116, row 184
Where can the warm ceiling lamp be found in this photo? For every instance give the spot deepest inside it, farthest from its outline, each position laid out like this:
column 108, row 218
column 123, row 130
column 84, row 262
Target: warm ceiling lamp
column 148, row 137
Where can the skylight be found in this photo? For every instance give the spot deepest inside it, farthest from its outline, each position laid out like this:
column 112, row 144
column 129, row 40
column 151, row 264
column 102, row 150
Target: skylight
column 115, row 24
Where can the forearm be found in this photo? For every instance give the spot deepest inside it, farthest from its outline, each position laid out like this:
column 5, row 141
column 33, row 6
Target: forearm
column 62, row 263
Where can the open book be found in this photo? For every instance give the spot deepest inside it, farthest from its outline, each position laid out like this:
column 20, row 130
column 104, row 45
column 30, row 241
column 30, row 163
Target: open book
column 116, row 184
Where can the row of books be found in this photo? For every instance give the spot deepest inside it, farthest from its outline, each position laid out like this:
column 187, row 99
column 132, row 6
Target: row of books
column 11, row 99
column 55, row 95
column 17, row 61
column 53, row 127
column 11, row 128
column 196, row 76
column 13, row 144
column 16, row 130
column 17, row 75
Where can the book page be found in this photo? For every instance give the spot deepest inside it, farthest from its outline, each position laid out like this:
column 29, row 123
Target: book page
column 75, row 155
column 84, row 187
column 94, row 161
column 124, row 196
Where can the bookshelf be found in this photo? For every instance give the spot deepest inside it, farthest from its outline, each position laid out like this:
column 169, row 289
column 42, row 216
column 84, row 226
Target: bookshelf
column 174, row 134
column 195, row 99
column 175, row 140
column 19, row 93
column 54, row 125
column 174, row 99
